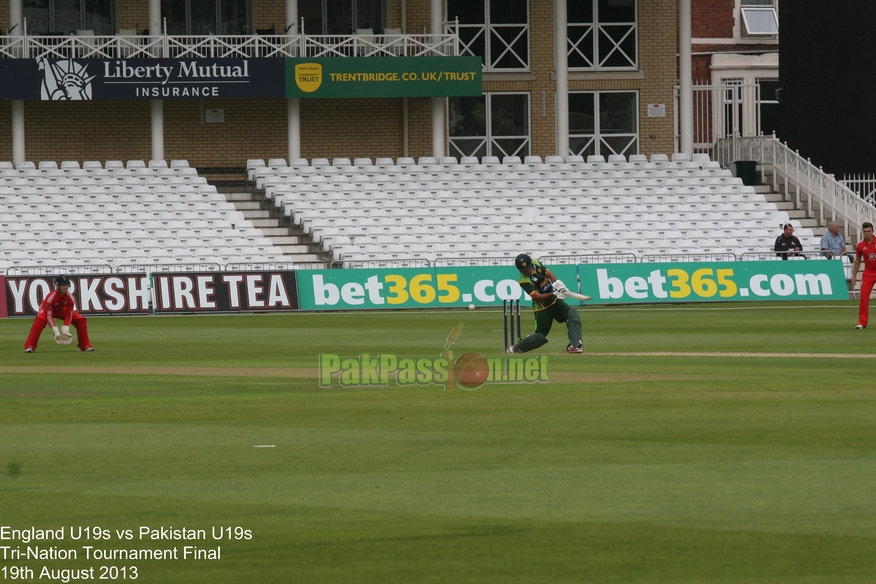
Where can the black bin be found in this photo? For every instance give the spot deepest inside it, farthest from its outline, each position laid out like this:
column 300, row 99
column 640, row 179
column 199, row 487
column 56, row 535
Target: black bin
column 744, row 169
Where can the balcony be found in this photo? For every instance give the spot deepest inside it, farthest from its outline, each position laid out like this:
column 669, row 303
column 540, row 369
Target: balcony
column 227, row 47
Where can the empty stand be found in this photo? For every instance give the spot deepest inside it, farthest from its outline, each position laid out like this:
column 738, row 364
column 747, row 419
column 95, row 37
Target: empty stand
column 639, row 205
column 133, row 213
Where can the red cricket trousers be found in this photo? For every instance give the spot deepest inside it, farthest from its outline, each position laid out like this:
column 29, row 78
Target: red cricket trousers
column 40, row 322
column 868, row 279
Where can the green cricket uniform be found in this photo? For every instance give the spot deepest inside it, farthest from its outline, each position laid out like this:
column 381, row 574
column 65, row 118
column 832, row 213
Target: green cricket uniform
column 546, row 312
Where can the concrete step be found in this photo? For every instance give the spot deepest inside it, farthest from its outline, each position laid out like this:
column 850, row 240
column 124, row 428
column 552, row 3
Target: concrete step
column 235, row 197
column 265, row 223
column 253, row 214
column 247, row 205
column 295, row 249
column 286, row 240
column 304, row 257
column 277, row 232
column 296, row 246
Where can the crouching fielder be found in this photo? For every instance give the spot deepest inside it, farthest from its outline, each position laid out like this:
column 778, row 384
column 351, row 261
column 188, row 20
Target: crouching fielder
column 547, row 295
column 56, row 307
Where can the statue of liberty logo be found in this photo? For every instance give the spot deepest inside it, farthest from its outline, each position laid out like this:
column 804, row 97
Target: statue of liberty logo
column 64, row 80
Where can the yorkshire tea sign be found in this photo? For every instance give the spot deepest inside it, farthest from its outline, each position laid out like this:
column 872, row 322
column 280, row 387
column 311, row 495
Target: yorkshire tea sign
column 383, row 77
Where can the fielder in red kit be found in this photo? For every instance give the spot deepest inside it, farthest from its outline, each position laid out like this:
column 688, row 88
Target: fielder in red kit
column 866, row 250
column 56, row 307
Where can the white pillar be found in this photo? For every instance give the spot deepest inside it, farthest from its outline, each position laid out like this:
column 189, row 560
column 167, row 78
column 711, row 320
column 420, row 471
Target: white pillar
column 157, row 129
column 293, row 123
column 155, row 28
column 15, row 23
column 292, row 18
column 562, row 72
column 17, row 131
column 293, row 106
column 685, row 77
column 436, row 25
column 15, row 18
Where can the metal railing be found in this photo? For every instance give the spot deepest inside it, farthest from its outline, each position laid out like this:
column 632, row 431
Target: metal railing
column 225, row 46
column 805, row 184
column 863, row 184
column 68, row 270
column 719, row 111
column 378, row 263
column 275, row 266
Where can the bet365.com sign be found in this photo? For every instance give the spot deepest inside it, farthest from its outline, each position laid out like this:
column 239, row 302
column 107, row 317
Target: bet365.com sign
column 383, row 77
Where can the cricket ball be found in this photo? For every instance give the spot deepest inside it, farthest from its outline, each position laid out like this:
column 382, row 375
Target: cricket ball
column 471, row 306
column 471, row 371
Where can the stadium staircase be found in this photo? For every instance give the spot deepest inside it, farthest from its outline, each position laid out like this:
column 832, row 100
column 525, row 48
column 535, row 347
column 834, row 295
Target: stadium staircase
column 292, row 241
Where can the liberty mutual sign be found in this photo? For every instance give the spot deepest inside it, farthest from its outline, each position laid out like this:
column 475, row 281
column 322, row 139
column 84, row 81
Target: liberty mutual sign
column 125, row 79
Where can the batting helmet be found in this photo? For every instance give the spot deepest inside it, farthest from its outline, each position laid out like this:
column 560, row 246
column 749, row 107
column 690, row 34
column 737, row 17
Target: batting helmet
column 61, row 281
column 523, row 262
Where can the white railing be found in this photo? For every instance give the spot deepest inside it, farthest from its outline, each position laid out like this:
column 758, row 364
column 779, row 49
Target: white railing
column 720, row 111
column 225, row 46
column 863, row 184
column 807, row 186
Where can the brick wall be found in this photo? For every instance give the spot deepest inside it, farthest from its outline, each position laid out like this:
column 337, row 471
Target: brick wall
column 712, row 19
column 5, row 130
column 132, row 14
column 77, row 130
column 338, row 128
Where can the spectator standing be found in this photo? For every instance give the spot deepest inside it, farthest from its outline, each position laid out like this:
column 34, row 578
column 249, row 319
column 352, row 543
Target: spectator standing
column 787, row 244
column 833, row 245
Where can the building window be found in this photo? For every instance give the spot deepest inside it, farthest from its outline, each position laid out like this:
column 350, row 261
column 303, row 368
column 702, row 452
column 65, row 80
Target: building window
column 497, row 31
column 68, row 16
column 759, row 17
column 495, row 124
column 341, row 17
column 204, row 17
column 603, row 122
column 768, row 106
column 602, row 34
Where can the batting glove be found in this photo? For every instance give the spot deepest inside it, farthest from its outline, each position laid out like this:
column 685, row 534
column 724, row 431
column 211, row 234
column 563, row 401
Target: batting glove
column 559, row 286
column 561, row 294
column 66, row 337
column 57, row 334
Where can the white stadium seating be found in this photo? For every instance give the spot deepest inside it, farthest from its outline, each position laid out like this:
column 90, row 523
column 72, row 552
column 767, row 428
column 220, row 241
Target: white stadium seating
column 118, row 214
column 136, row 213
column 635, row 205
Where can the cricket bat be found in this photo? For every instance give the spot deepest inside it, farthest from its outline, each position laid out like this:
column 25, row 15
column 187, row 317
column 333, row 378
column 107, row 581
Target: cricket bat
column 581, row 297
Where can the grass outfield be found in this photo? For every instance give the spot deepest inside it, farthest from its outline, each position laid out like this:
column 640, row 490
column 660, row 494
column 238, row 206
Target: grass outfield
column 743, row 451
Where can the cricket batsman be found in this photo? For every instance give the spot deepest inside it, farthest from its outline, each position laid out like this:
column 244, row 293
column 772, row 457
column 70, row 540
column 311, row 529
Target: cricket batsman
column 547, row 295
column 59, row 304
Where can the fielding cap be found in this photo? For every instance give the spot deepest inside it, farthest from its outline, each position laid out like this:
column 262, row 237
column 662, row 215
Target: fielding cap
column 62, row 281
column 523, row 262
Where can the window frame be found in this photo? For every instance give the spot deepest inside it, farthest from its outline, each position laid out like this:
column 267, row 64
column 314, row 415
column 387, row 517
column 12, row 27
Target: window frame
column 745, row 27
column 218, row 14
column 488, row 141
column 596, row 29
column 597, row 137
column 83, row 23
column 355, row 19
column 487, row 31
